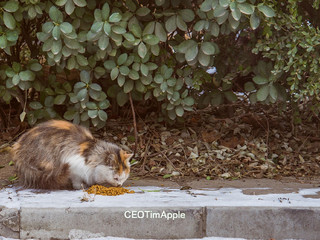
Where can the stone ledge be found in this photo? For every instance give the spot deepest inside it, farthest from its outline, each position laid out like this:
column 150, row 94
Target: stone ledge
column 264, row 222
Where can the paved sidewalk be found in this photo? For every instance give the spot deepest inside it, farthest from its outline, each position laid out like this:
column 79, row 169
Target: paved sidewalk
column 162, row 212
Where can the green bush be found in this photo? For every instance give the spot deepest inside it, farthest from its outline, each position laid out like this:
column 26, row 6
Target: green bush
column 159, row 50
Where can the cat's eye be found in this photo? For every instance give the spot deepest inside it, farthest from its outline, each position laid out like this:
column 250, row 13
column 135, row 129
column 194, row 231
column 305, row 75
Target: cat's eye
column 116, row 178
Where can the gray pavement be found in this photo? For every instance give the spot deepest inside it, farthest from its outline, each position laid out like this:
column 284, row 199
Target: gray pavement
column 165, row 212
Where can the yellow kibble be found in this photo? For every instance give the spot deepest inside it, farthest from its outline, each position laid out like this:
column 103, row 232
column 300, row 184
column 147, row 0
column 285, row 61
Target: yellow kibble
column 108, row 191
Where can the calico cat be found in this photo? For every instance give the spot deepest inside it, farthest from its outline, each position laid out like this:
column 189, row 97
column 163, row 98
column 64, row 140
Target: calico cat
column 58, row 154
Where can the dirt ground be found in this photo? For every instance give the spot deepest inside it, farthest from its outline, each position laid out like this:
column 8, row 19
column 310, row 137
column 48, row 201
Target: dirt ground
column 252, row 148
column 262, row 186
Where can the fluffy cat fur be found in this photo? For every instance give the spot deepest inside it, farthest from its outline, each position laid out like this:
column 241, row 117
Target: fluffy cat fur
column 58, row 154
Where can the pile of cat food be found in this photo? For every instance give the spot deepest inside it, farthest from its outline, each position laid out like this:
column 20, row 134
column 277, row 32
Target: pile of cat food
column 107, row 191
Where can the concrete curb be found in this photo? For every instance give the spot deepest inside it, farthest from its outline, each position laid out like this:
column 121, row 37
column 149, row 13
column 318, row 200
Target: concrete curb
column 160, row 214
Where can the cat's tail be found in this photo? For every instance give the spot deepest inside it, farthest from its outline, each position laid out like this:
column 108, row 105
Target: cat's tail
column 40, row 174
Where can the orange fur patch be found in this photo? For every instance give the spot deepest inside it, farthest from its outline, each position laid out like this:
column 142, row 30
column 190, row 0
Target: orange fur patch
column 124, row 156
column 83, row 147
column 47, row 166
column 61, row 124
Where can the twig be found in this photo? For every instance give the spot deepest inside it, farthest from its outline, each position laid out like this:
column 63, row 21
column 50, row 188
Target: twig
column 134, row 126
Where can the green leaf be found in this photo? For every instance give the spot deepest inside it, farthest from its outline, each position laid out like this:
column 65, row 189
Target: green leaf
column 118, row 29
column 136, row 30
column 91, row 105
column 93, row 113
column 11, row 6
column 55, row 14
column 230, row 96
column 27, row 75
column 133, row 74
column 273, row 92
column 109, row 64
column 151, row 39
column 142, row 50
column 171, row 24
column 181, row 24
column 56, row 33
column 12, row 36
column 216, row 99
column 199, row 25
column 105, row 11
column 85, row 76
column 95, row 86
column 69, row 115
column 122, row 58
column 207, row 48
column 103, row 42
column 158, row 78
column 3, row 41
column 66, row 27
column 160, row 32
column 189, row 101
column 82, row 60
column 254, row 21
column 102, row 115
column 179, row 111
column 172, row 114
column 128, row 86
column 263, row 93
column 69, row 7
column 203, row 59
column 80, row 3
column 215, row 29
column 219, row 11
column 122, row 98
column 35, row 67
column 192, row 53
column 114, row 73
column 97, row 27
column 35, row 105
column 107, row 28
column 236, row 14
column 187, row 15
column 129, row 37
column 58, row 100
column 246, row 8
column 144, row 69
column 266, row 10
column 206, row 6
column 82, row 94
column 9, row 20
column 104, row 104
column 124, row 70
column 233, row 23
column 121, row 80
column 249, row 87
column 61, row 3
column 143, row 11
column 16, row 80
column 115, row 17
column 260, row 80
column 224, row 3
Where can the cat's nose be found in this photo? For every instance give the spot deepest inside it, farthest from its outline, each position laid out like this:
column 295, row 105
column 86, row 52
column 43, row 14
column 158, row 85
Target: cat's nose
column 119, row 185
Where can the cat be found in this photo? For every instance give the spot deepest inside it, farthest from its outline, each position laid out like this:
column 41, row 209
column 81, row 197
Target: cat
column 59, row 155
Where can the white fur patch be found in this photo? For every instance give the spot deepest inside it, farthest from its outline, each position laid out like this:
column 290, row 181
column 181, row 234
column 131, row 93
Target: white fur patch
column 80, row 171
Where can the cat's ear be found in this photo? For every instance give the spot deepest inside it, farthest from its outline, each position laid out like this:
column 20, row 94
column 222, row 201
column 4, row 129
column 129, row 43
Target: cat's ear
column 125, row 157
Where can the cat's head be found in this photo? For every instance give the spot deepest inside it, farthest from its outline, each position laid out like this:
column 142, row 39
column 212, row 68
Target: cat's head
column 120, row 167
column 114, row 167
